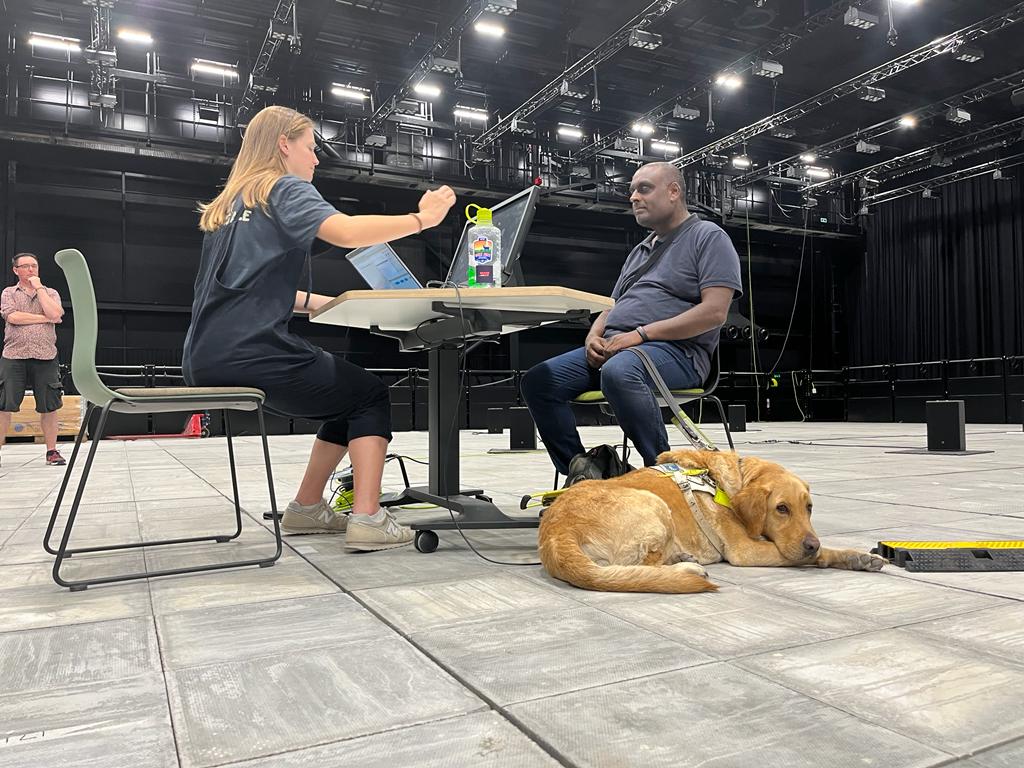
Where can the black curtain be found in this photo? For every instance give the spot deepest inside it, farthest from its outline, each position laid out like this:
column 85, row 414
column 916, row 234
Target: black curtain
column 941, row 278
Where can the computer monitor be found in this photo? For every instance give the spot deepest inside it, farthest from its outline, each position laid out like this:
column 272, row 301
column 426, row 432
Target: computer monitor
column 513, row 217
column 382, row 268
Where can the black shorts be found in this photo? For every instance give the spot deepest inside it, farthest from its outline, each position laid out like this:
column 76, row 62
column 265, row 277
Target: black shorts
column 43, row 375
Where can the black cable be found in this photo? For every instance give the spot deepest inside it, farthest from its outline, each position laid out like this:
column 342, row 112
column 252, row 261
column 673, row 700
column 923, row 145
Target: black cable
column 796, row 300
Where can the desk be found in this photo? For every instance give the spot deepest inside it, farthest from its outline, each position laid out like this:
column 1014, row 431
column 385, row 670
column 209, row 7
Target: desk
column 440, row 320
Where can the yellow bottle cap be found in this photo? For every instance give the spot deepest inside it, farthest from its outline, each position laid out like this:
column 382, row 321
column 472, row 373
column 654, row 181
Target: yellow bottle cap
column 483, row 215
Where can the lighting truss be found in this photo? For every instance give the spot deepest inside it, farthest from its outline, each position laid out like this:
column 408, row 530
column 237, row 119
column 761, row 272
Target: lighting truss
column 973, row 95
column 977, row 141
column 940, row 181
column 277, row 33
column 937, row 47
column 616, row 42
column 698, row 90
column 431, row 61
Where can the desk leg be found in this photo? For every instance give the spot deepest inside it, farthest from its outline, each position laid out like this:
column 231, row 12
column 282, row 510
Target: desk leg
column 443, row 403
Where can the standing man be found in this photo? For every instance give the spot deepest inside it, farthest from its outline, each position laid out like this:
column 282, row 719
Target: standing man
column 671, row 298
column 31, row 312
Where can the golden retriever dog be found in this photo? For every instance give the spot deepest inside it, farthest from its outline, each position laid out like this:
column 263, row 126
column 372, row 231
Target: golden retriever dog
column 636, row 533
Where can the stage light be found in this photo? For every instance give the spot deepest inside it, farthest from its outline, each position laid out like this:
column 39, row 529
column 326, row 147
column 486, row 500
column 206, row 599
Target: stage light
column 966, row 53
column 818, row 173
column 648, row 41
column 427, row 89
column 729, row 80
column 570, row 132
column 643, row 129
column 489, row 28
column 470, row 113
column 350, row 92
column 135, row 36
column 908, row 121
column 870, row 93
column 741, row 162
column 218, row 68
column 867, row 148
column 956, row 115
column 767, row 68
column 668, row 147
column 855, row 17
column 808, row 158
column 54, row 42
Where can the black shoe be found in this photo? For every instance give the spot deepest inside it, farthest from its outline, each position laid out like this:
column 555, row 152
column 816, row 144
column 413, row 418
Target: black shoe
column 54, row 459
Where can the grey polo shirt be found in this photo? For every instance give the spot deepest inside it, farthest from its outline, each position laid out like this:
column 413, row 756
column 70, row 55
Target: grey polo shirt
column 694, row 256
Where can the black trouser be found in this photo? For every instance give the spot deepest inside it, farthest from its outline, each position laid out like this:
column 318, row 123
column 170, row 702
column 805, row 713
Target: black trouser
column 351, row 401
column 44, row 375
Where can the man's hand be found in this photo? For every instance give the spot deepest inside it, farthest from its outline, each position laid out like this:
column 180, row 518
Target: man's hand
column 435, row 204
column 35, row 282
column 620, row 342
column 596, row 351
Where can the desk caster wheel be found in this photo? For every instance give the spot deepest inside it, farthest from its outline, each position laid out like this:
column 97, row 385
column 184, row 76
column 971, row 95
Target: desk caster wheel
column 425, row 541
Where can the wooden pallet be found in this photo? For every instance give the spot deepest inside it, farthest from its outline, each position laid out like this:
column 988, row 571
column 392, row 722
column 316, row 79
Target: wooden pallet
column 25, row 423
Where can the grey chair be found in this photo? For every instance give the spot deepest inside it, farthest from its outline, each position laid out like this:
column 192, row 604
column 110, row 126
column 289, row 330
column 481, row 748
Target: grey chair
column 139, row 400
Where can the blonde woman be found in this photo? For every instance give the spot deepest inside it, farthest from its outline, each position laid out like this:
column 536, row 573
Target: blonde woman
column 259, row 231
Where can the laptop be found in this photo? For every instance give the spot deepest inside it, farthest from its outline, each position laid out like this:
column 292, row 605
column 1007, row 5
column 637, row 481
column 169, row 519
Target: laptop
column 382, row 268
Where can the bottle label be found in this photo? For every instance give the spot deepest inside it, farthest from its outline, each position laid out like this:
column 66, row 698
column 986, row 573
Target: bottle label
column 485, row 274
column 481, row 250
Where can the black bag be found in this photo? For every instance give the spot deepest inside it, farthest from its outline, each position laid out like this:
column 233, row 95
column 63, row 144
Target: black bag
column 598, row 463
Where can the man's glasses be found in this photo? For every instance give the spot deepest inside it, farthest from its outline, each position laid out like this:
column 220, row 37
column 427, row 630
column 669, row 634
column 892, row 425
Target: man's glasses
column 25, row 266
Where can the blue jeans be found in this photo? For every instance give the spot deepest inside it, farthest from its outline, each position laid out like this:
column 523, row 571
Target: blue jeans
column 549, row 387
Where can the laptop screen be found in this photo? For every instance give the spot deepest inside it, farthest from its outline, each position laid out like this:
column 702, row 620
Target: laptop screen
column 513, row 217
column 381, row 268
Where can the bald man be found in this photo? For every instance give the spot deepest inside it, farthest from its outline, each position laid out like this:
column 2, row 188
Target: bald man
column 671, row 298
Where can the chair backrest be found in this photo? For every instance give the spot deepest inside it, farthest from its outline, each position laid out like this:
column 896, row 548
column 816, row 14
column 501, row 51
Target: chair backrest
column 83, row 304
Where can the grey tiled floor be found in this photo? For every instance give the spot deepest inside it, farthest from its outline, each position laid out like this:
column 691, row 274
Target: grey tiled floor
column 399, row 658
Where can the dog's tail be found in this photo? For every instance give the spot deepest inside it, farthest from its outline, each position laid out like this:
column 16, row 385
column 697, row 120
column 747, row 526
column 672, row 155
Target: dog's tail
column 565, row 560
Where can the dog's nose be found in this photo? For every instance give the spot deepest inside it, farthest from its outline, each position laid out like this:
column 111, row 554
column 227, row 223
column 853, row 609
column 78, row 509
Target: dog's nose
column 811, row 544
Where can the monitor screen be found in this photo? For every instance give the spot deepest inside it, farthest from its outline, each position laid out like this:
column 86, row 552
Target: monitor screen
column 513, row 217
column 381, row 267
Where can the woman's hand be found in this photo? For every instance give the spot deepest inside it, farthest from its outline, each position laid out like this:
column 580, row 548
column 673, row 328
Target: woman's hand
column 435, row 204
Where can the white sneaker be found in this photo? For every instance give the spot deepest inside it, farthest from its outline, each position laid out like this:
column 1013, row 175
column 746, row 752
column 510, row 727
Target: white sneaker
column 316, row 519
column 365, row 535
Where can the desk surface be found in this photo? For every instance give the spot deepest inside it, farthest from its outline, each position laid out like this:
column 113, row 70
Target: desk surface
column 405, row 310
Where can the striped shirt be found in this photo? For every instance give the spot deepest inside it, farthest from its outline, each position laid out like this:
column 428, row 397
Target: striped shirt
column 37, row 341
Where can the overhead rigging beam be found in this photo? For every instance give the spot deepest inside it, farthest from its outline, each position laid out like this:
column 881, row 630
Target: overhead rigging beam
column 259, row 83
column 937, row 47
column 970, row 96
column 971, row 143
column 940, row 181
column 698, row 90
column 422, row 68
column 612, row 45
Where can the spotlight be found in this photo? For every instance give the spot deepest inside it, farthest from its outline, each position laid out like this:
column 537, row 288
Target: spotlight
column 767, row 68
column 350, row 92
column 716, row 161
column 815, row 172
column 808, row 158
column 908, row 121
column 855, row 17
column 930, row 194
column 966, row 53
column 135, row 36
column 782, row 132
column 54, row 42
column 571, row 91
column 741, row 162
column 427, row 89
column 648, row 41
column 489, row 28
column 376, row 140
column 501, row 7
column 685, row 113
column 870, row 93
column 570, row 132
column 957, row 115
column 470, row 113
column 207, row 67
column 523, row 127
column 444, row 66
column 668, row 147
column 867, row 148
column 729, row 80
column 643, row 129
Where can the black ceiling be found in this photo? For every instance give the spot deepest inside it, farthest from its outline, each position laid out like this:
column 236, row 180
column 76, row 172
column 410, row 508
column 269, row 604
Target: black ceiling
column 376, row 43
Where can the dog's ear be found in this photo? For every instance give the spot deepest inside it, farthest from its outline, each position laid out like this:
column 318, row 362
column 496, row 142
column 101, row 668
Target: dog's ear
column 751, row 505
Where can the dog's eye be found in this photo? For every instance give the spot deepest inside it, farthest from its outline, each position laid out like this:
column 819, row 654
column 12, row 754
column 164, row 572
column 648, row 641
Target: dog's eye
column 810, row 509
column 782, row 509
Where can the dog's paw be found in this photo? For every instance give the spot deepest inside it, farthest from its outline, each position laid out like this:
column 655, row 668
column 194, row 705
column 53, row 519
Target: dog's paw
column 694, row 568
column 863, row 561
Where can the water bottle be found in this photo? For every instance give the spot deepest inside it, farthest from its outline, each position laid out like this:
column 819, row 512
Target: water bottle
column 483, row 268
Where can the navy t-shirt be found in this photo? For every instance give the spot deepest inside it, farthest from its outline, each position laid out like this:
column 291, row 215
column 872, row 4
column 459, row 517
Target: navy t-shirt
column 245, row 290
column 696, row 255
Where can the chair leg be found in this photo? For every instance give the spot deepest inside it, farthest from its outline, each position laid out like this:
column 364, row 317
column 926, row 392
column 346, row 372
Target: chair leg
column 64, row 483
column 234, row 480
column 63, row 552
column 625, row 447
column 725, row 422
column 270, row 486
column 554, row 485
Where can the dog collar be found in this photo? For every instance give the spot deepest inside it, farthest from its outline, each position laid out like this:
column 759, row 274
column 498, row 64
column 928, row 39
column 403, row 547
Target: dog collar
column 698, row 480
